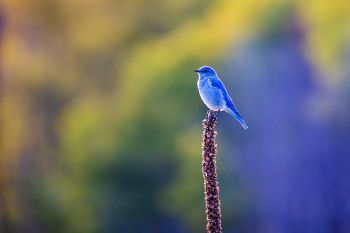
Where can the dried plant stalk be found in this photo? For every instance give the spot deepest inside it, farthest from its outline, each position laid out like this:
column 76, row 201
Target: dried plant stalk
column 211, row 187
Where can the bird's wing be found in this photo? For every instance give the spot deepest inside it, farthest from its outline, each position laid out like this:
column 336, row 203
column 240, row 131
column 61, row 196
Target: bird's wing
column 220, row 85
column 217, row 83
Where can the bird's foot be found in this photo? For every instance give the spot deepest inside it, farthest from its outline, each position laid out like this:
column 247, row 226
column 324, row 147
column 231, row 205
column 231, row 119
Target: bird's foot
column 217, row 114
column 208, row 114
column 214, row 114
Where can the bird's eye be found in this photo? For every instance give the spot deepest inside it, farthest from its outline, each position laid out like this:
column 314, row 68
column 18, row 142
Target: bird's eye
column 205, row 71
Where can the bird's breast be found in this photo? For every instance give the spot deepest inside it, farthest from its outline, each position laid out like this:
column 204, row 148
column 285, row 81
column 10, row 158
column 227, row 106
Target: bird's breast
column 211, row 96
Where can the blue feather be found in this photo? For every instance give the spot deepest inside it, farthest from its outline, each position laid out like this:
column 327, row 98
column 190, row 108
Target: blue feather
column 214, row 94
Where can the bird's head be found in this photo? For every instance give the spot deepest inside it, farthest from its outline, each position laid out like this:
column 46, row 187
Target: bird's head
column 205, row 71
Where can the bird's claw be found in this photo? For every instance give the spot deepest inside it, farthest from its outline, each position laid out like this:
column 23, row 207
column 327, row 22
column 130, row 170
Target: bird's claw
column 214, row 114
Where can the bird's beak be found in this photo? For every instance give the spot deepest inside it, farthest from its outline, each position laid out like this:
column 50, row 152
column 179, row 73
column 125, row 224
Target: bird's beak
column 196, row 71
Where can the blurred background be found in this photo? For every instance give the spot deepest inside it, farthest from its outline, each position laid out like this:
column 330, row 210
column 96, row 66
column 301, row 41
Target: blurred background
column 100, row 117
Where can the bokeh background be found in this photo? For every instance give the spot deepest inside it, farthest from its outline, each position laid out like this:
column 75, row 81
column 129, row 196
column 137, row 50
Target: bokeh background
column 100, row 117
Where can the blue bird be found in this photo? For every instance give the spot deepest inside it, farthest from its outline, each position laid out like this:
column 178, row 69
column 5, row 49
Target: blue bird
column 214, row 94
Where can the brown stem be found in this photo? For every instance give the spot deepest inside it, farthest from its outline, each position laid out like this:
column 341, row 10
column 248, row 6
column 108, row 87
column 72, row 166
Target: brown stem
column 211, row 187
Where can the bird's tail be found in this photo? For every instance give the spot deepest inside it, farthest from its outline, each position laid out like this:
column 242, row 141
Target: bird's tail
column 238, row 117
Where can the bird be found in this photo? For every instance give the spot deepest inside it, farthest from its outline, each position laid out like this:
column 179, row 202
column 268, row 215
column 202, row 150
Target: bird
column 214, row 94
